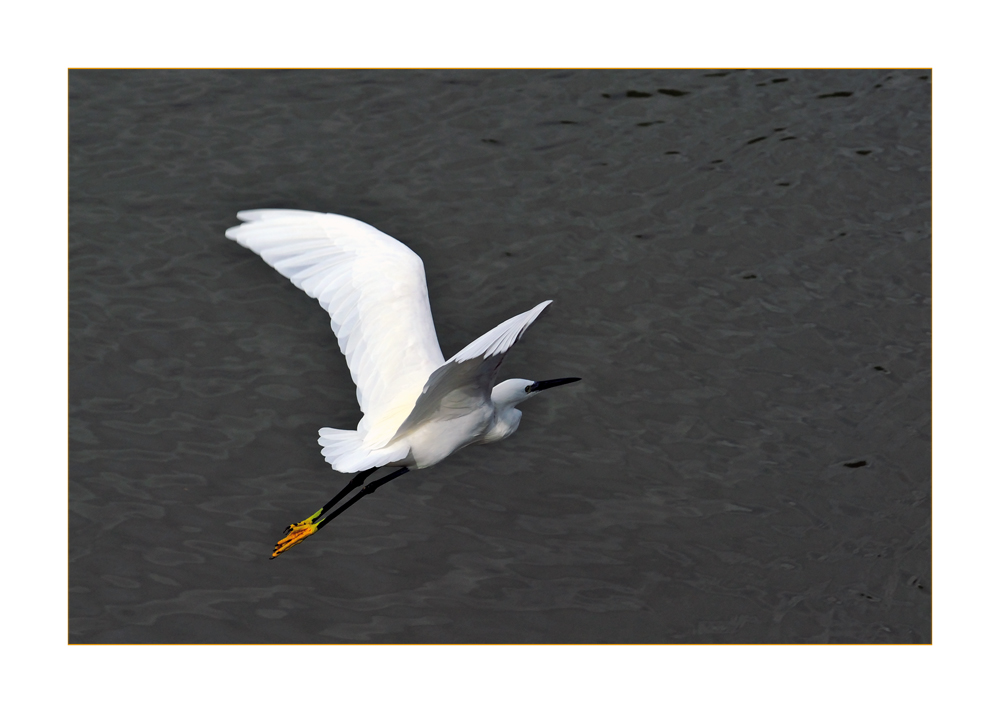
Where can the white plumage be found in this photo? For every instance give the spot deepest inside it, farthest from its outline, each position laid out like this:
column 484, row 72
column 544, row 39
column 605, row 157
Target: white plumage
column 418, row 408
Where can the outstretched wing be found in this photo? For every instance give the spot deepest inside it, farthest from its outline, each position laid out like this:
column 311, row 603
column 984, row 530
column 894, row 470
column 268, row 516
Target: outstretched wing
column 464, row 382
column 374, row 289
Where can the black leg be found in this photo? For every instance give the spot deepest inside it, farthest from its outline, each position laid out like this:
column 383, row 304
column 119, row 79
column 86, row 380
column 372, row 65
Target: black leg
column 370, row 488
column 298, row 531
column 357, row 480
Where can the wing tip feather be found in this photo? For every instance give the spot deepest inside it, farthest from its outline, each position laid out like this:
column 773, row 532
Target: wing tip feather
column 503, row 336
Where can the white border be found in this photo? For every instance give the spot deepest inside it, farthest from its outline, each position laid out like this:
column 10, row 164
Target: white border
column 41, row 43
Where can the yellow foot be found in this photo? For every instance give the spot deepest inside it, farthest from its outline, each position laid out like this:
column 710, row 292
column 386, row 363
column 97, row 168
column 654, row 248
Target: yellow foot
column 295, row 533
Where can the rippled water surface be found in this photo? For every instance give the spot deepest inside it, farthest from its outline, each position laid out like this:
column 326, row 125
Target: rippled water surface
column 740, row 263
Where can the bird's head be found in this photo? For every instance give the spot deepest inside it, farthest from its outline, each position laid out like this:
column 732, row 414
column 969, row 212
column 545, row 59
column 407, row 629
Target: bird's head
column 510, row 393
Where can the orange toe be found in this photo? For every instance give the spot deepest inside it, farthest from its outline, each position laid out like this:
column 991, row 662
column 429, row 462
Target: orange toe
column 296, row 533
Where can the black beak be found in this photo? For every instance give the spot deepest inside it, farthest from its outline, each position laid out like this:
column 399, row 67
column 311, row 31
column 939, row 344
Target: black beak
column 542, row 385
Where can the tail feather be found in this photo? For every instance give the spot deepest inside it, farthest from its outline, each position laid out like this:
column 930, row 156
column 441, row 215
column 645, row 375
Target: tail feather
column 346, row 452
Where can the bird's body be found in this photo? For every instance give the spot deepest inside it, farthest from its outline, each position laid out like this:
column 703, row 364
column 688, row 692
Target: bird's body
column 418, row 408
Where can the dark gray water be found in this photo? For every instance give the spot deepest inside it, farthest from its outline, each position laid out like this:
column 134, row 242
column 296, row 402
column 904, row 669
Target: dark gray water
column 740, row 263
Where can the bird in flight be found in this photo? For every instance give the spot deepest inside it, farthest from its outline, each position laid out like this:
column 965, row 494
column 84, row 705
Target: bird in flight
column 418, row 408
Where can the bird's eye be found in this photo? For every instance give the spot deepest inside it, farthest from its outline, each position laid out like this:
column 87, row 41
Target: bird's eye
column 527, row 389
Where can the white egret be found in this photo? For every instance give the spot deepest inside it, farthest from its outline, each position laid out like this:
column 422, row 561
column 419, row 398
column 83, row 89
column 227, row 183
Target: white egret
column 418, row 408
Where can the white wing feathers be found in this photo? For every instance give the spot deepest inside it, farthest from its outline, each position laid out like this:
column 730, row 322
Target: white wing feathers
column 465, row 382
column 502, row 337
column 375, row 291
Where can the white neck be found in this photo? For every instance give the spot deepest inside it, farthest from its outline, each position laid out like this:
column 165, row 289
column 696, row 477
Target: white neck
column 505, row 422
